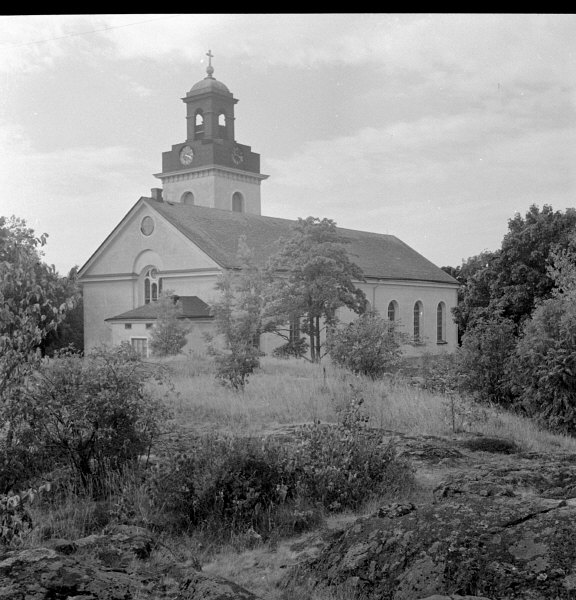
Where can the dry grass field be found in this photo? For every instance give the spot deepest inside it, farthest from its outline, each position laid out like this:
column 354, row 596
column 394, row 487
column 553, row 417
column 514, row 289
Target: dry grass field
column 295, row 391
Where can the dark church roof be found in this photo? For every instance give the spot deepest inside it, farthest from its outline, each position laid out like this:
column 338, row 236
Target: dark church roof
column 216, row 232
column 192, row 308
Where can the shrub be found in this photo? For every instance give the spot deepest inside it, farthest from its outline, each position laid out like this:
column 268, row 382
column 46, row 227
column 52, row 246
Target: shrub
column 484, row 359
column 545, row 365
column 169, row 332
column 224, row 484
column 237, row 484
column 370, row 345
column 233, row 367
column 94, row 414
column 342, row 466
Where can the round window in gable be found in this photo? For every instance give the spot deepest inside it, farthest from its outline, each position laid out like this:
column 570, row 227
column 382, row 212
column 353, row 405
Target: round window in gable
column 147, row 225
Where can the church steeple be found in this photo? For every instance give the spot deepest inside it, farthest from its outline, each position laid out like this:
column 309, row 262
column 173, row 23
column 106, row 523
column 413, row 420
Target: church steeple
column 210, row 108
column 201, row 169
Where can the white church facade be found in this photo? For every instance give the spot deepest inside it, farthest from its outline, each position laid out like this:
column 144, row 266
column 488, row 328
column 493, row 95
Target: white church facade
column 186, row 234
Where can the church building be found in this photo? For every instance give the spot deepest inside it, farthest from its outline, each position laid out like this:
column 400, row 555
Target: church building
column 186, row 234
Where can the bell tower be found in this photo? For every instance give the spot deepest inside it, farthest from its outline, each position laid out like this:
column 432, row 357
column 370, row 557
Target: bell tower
column 211, row 168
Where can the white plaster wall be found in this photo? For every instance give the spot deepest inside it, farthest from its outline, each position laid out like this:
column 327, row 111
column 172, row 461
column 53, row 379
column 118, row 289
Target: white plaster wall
column 214, row 191
column 406, row 294
column 100, row 302
column 196, row 342
column 121, row 255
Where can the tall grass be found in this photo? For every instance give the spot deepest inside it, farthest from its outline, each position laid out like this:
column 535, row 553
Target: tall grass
column 286, row 392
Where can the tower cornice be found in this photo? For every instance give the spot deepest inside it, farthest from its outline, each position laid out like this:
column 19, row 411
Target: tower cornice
column 208, row 170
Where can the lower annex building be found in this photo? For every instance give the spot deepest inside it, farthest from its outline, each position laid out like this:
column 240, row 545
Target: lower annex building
column 186, row 234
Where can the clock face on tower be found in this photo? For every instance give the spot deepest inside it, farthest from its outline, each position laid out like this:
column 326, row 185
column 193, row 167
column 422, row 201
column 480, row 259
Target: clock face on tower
column 186, row 155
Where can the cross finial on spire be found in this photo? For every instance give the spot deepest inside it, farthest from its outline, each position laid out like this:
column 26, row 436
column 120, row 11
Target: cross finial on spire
column 209, row 68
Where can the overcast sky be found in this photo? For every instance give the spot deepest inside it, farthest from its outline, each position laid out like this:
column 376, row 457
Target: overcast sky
column 434, row 128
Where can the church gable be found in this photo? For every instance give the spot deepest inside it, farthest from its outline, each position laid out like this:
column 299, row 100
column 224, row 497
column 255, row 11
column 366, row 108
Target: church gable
column 142, row 239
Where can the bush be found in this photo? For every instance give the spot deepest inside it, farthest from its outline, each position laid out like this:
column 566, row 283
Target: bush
column 224, row 484
column 169, row 332
column 238, row 484
column 93, row 414
column 370, row 345
column 234, row 366
column 545, row 365
column 484, row 360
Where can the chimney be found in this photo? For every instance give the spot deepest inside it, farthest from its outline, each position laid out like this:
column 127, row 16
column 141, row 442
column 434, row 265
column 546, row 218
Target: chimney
column 156, row 194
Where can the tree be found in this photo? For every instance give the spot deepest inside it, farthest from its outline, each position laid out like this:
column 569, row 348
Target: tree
column 545, row 366
column 484, row 359
column 513, row 279
column 169, row 332
column 238, row 316
column 69, row 333
column 311, row 277
column 31, row 302
column 94, row 414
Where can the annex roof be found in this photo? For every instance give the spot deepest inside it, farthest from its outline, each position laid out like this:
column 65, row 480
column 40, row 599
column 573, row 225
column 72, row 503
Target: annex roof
column 192, row 308
column 216, row 232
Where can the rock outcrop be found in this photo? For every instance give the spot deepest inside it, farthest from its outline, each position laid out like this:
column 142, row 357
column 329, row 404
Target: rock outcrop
column 502, row 530
column 112, row 566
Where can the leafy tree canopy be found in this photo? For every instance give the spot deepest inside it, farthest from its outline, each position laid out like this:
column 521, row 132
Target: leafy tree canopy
column 512, row 279
column 32, row 302
column 314, row 277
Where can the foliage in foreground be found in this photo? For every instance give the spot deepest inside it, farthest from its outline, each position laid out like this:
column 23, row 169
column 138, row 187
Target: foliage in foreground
column 92, row 414
column 272, row 486
column 369, row 345
column 31, row 303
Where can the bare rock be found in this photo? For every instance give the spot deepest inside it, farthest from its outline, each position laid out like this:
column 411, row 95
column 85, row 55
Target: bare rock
column 111, row 566
column 204, row 587
column 491, row 533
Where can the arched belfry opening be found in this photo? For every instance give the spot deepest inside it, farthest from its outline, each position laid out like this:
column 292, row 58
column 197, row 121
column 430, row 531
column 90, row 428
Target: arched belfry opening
column 198, row 125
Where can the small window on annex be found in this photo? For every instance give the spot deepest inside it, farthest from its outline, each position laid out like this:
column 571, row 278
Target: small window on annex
column 198, row 125
column 441, row 323
column 418, row 322
column 152, row 286
column 393, row 310
column 237, row 202
column 187, row 198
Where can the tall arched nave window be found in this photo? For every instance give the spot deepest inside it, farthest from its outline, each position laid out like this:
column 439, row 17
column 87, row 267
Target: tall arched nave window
column 152, row 285
column 418, row 322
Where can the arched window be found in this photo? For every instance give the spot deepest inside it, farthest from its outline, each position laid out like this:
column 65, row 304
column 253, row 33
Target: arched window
column 198, row 124
column 237, row 202
column 418, row 322
column 392, row 310
column 152, row 285
column 441, row 323
column 222, row 130
column 187, row 198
